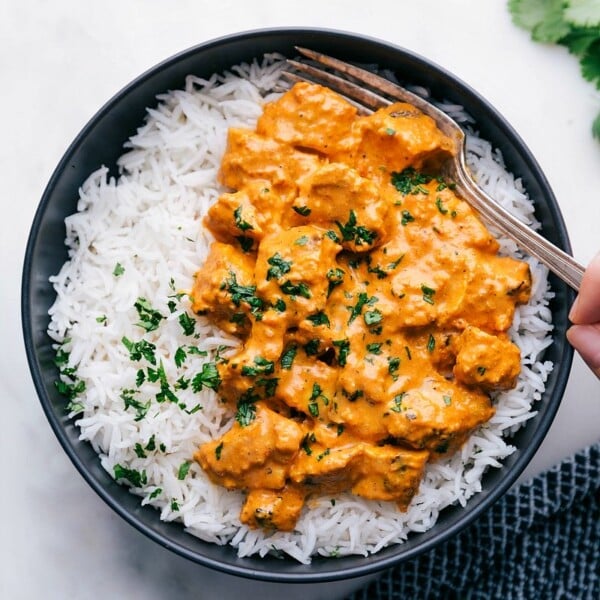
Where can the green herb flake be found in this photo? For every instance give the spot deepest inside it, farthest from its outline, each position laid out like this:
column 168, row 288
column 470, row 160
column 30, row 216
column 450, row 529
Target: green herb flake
column 374, row 348
column 301, row 241
column 218, row 451
column 130, row 401
column 150, row 318
column 343, row 347
column 180, row 356
column 406, row 218
column 447, row 400
column 319, row 318
column 287, row 358
column 134, row 477
column 440, row 206
column 208, row 377
column 372, row 317
column 430, row 343
column 244, row 294
column 312, row 347
column 279, row 266
column 155, row 494
column 393, row 366
column 139, row 350
column 187, row 323
column 246, row 412
column 239, row 221
column 352, row 232
column 118, row 270
column 410, row 181
column 397, row 406
column 302, row 210
column 262, row 366
column 295, row 289
column 174, row 505
column 139, row 450
column 183, row 470
column 481, row 370
column 101, row 319
column 428, row 294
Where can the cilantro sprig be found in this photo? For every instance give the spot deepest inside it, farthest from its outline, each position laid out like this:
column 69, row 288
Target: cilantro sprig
column 574, row 24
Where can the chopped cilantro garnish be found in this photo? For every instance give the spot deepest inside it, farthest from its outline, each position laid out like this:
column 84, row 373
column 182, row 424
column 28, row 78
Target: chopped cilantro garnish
column 431, row 343
column 440, row 206
column 183, row 470
column 319, row 318
column 287, row 358
column 208, row 377
column 187, row 323
column 139, row 450
column 372, row 317
column 140, row 349
column 374, row 348
column 406, row 218
column 245, row 242
column 180, row 356
column 393, row 366
column 134, row 477
column 243, row 293
column 246, row 412
column 118, row 270
column 150, row 318
column 155, row 494
column 101, row 319
column 302, row 210
column 239, row 221
column 410, row 181
column 218, row 451
column 295, row 289
column 279, row 266
column 397, row 407
column 312, row 347
column 130, row 401
column 428, row 294
column 261, row 366
column 343, row 350
column 301, row 241
column 356, row 233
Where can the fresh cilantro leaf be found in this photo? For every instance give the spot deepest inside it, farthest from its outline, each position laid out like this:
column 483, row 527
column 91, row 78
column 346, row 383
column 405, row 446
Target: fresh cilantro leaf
column 278, row 267
column 590, row 63
column 208, row 377
column 543, row 18
column 134, row 477
column 585, row 13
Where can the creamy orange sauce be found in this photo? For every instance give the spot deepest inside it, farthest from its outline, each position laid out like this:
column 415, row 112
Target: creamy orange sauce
column 370, row 300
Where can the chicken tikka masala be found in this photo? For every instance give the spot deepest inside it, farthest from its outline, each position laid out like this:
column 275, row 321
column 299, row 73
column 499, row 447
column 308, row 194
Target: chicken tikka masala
column 371, row 304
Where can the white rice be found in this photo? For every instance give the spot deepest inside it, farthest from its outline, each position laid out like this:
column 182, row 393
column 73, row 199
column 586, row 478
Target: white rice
column 149, row 222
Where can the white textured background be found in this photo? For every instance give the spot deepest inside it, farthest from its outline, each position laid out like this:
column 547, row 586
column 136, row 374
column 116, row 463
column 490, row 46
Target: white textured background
column 60, row 60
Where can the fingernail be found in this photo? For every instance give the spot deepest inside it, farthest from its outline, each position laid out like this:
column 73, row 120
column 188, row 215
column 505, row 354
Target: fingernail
column 573, row 311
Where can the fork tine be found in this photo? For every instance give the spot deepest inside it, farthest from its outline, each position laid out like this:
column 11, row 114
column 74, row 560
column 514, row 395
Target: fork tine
column 382, row 85
column 348, row 89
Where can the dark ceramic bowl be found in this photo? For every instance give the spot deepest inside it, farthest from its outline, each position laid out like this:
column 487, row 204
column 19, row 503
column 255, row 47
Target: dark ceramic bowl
column 100, row 143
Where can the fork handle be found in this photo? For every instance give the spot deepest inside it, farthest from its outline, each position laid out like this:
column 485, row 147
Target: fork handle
column 559, row 262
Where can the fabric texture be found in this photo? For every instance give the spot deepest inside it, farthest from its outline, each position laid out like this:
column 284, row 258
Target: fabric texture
column 541, row 540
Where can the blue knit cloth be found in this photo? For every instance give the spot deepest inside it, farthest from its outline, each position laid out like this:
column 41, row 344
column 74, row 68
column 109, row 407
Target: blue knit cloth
column 540, row 541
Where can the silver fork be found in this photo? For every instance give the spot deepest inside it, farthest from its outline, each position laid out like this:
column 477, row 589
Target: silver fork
column 367, row 100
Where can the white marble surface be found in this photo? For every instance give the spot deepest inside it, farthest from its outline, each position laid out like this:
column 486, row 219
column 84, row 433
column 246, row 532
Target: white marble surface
column 59, row 62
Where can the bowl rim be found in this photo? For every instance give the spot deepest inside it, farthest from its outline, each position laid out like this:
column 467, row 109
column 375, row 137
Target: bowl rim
column 375, row 562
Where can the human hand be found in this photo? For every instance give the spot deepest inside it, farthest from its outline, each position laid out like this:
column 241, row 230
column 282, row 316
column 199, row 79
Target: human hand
column 584, row 334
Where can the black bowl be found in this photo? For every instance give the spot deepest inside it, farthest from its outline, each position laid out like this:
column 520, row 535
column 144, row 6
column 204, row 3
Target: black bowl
column 100, row 143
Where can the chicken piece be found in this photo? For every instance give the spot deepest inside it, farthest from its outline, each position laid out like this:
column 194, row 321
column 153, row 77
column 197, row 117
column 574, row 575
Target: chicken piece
column 337, row 197
column 256, row 455
column 291, row 268
column 250, row 156
column 305, row 384
column 246, row 216
column 396, row 137
column 497, row 285
column 373, row 472
column 273, row 509
column 487, row 361
column 390, row 473
column 223, row 287
column 437, row 416
column 308, row 116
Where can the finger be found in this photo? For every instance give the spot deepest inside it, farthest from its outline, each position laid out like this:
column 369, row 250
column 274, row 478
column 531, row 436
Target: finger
column 586, row 340
column 586, row 308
